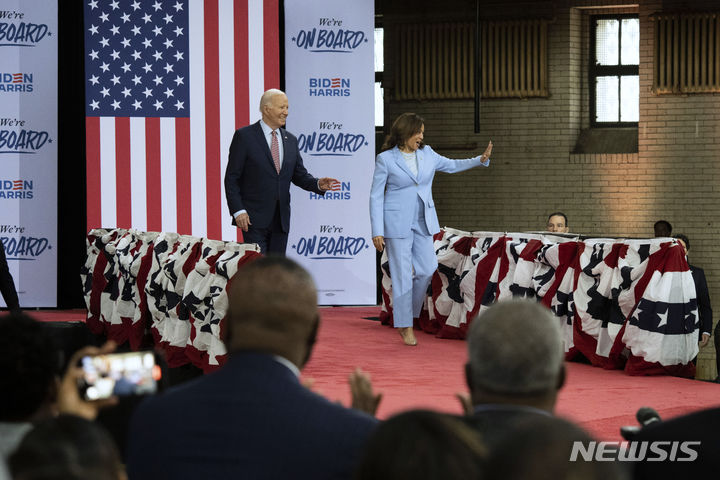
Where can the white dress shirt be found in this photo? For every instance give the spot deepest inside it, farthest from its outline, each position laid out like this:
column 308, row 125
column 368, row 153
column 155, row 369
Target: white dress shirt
column 267, row 131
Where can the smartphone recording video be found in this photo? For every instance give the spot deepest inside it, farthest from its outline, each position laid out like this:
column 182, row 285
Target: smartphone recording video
column 132, row 373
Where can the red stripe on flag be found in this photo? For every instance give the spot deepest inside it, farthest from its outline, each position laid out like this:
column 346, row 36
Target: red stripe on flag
column 183, row 169
column 92, row 156
column 153, row 173
column 242, row 82
column 123, row 182
column 212, row 121
column 271, row 52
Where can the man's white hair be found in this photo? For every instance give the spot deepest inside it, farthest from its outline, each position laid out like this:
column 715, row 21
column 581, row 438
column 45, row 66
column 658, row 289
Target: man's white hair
column 268, row 96
column 515, row 348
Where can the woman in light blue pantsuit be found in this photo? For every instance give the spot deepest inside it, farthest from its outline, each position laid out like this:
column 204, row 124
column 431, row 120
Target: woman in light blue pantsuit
column 402, row 213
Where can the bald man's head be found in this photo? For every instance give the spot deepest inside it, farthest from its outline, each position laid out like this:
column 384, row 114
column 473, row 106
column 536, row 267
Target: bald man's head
column 273, row 309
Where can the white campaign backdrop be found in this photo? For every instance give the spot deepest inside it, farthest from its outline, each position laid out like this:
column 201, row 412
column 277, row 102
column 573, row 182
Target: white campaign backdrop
column 329, row 78
column 28, row 147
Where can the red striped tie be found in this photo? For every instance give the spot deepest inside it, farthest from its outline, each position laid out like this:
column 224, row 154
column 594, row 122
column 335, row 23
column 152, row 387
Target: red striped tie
column 275, row 151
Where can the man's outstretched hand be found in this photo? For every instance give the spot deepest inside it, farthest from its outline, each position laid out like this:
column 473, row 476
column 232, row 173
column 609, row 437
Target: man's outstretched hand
column 326, row 183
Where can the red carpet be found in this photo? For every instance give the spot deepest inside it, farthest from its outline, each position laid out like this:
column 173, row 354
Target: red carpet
column 428, row 375
column 77, row 315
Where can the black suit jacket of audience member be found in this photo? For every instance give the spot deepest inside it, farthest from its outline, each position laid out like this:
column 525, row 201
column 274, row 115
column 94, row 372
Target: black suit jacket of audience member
column 702, row 426
column 250, row 419
column 703, row 299
column 494, row 421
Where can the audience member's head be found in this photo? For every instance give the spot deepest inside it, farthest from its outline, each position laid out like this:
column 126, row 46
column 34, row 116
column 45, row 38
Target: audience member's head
column 421, row 444
column 273, row 309
column 684, row 242
column 540, row 447
column 29, row 364
column 69, row 448
column 662, row 228
column 515, row 352
column 557, row 222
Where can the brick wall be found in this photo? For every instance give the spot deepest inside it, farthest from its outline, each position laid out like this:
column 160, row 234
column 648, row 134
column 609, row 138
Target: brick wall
column 678, row 150
column 674, row 175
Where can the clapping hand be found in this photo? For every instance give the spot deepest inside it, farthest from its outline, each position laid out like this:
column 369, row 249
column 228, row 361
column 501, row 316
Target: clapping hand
column 465, row 403
column 363, row 397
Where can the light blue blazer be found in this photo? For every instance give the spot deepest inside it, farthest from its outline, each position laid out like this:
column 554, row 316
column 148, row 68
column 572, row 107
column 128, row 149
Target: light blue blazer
column 395, row 190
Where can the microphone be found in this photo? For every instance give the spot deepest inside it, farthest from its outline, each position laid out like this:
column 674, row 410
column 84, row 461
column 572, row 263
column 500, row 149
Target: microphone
column 645, row 416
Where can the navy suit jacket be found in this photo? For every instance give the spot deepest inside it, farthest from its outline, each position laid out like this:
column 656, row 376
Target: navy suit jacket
column 253, row 184
column 703, row 299
column 493, row 422
column 250, row 419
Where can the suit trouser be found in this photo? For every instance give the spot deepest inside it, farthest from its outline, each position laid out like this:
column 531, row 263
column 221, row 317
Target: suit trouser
column 7, row 286
column 412, row 254
column 272, row 239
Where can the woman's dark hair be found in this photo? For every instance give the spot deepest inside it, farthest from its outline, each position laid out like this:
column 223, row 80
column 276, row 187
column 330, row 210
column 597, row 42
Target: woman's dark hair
column 685, row 239
column 422, row 444
column 66, row 447
column 30, row 364
column 404, row 127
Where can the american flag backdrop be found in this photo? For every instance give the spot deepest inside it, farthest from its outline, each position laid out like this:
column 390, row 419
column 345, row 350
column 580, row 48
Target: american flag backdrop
column 167, row 84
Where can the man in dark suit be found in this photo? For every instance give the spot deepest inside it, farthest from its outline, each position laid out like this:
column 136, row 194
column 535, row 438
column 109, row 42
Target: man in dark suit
column 701, row 293
column 510, row 378
column 7, row 286
column 253, row 418
column 264, row 159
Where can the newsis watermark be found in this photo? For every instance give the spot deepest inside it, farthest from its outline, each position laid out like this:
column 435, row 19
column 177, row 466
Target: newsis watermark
column 633, row 451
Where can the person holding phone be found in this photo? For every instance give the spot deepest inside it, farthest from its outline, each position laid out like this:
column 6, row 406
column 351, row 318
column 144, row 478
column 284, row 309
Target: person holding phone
column 119, row 374
column 31, row 385
column 402, row 213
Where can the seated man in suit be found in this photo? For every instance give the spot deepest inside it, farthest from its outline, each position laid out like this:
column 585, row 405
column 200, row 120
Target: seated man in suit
column 252, row 418
column 509, row 377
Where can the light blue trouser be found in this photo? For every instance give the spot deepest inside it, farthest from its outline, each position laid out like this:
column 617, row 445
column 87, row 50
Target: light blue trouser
column 412, row 254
